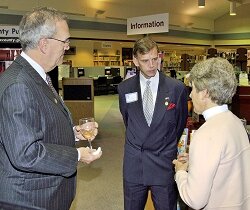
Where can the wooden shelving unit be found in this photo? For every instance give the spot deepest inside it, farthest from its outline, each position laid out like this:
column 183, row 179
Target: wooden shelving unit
column 128, row 62
column 107, row 60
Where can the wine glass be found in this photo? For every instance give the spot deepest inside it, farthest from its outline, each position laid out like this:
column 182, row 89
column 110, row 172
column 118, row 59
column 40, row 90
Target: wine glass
column 87, row 130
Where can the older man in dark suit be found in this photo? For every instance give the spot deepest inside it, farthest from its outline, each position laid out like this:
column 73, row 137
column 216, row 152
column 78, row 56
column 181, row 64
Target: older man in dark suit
column 38, row 158
column 154, row 110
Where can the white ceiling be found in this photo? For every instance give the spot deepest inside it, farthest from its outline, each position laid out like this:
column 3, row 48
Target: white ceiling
column 183, row 13
column 122, row 9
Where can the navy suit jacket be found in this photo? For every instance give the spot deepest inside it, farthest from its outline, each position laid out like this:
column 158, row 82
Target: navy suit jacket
column 149, row 151
column 38, row 158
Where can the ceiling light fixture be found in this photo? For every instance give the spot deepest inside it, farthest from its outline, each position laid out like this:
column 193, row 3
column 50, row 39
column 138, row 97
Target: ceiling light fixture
column 201, row 3
column 232, row 7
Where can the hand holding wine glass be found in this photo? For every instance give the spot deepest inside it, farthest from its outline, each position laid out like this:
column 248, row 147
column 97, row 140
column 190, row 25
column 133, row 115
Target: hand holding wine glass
column 87, row 129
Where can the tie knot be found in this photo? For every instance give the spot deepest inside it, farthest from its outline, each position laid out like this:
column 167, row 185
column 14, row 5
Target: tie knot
column 148, row 83
column 48, row 78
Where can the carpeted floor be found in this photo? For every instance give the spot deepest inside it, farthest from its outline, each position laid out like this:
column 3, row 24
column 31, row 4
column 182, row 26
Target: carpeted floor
column 99, row 185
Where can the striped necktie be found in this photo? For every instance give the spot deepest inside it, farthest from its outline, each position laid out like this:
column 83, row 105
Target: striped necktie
column 48, row 79
column 148, row 106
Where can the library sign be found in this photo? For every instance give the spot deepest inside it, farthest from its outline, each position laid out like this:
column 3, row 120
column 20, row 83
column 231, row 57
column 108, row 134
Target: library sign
column 9, row 34
column 148, row 24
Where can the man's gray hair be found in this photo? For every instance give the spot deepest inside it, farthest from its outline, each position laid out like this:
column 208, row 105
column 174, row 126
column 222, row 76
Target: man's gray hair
column 37, row 24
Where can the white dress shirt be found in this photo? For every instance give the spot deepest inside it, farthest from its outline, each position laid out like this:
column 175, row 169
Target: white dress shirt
column 35, row 65
column 154, row 82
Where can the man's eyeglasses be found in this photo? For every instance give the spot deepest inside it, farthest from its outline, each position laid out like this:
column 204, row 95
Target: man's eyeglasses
column 67, row 41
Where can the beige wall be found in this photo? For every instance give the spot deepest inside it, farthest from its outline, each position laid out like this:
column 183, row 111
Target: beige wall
column 84, row 51
column 84, row 48
column 84, row 56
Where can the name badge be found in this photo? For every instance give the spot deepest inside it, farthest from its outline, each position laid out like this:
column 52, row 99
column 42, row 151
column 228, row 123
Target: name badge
column 131, row 97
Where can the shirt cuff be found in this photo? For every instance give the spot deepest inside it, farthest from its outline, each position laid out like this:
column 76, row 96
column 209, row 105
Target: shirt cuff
column 76, row 139
column 79, row 154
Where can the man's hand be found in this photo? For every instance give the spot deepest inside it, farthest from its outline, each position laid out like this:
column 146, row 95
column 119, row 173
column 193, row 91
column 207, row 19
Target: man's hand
column 79, row 136
column 88, row 155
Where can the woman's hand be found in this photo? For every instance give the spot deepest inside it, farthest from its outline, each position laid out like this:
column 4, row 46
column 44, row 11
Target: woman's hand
column 183, row 157
column 182, row 161
column 180, row 165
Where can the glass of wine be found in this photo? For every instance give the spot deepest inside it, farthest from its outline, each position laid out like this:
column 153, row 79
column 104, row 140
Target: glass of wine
column 87, row 128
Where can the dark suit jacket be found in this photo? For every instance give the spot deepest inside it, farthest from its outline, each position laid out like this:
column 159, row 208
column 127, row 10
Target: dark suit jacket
column 149, row 151
column 38, row 158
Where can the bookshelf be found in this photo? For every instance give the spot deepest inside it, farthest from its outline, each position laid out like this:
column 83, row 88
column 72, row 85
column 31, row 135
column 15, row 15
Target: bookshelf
column 106, row 60
column 128, row 62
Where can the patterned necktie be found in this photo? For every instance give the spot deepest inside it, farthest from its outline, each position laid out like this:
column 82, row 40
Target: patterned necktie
column 48, row 79
column 148, row 106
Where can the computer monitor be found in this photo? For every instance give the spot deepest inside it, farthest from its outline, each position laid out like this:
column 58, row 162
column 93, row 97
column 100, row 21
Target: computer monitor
column 77, row 92
column 130, row 72
column 80, row 72
column 108, row 71
column 115, row 72
column 112, row 71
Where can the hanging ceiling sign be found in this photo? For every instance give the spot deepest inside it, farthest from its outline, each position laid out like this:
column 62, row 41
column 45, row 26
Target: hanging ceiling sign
column 148, row 24
column 106, row 45
column 9, row 31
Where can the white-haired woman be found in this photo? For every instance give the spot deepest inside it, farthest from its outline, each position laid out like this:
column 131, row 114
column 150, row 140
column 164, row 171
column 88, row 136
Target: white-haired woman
column 216, row 176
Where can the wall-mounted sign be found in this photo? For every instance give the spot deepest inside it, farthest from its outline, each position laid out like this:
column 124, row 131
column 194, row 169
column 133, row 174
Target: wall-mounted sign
column 106, row 45
column 9, row 40
column 148, row 24
column 9, row 31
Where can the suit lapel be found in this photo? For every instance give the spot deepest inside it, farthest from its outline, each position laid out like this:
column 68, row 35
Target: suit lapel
column 137, row 107
column 160, row 108
column 43, row 85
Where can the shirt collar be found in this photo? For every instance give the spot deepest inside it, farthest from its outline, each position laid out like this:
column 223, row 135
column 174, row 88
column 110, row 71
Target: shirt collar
column 154, row 80
column 214, row 111
column 35, row 65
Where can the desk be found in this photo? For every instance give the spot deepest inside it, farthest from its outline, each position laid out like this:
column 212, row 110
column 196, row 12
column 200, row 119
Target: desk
column 78, row 95
column 241, row 103
column 109, row 80
column 103, row 88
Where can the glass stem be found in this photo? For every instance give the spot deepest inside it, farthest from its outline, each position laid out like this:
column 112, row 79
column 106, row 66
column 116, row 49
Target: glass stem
column 90, row 145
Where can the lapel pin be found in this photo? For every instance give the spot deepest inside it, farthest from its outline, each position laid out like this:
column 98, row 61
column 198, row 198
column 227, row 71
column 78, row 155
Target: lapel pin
column 166, row 101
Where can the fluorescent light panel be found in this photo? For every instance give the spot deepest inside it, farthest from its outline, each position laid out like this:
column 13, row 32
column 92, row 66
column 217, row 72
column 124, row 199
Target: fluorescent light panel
column 201, row 3
column 232, row 7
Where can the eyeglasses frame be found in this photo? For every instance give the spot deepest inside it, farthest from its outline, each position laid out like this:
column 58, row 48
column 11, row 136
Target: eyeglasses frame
column 67, row 41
